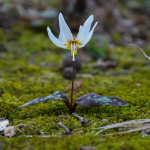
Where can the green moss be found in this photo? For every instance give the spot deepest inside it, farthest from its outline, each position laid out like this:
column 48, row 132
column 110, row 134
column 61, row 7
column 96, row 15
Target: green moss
column 116, row 37
column 30, row 69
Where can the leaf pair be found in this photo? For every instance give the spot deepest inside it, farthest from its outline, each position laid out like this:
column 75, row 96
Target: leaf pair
column 90, row 100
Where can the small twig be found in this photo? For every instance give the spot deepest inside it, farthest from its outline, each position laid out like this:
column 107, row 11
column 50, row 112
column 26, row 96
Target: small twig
column 140, row 49
column 77, row 116
column 64, row 127
column 24, row 125
column 117, row 125
column 142, row 127
column 44, row 136
column 145, row 132
column 83, row 120
column 130, row 126
column 84, row 75
column 104, row 85
column 19, row 129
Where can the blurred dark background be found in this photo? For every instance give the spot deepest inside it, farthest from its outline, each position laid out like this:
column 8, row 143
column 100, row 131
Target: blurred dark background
column 120, row 21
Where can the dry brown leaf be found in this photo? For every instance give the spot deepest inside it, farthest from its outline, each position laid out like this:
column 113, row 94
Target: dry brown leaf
column 77, row 85
column 84, row 56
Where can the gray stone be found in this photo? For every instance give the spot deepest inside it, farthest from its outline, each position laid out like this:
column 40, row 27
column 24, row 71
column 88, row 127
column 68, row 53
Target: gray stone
column 10, row 131
column 68, row 72
column 67, row 62
column 104, row 120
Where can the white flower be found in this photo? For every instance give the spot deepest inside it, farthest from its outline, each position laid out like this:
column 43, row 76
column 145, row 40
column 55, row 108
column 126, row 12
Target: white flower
column 3, row 124
column 67, row 41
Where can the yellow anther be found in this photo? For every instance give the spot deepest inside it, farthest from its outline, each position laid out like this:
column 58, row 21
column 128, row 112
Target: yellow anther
column 75, row 52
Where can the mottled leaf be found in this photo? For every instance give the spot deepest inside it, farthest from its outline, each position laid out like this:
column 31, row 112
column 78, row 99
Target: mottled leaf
column 93, row 99
column 58, row 95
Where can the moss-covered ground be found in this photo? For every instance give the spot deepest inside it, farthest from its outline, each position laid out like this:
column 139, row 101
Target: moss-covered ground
column 29, row 68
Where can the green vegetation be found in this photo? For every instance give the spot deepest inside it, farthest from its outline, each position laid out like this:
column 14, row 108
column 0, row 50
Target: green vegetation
column 29, row 68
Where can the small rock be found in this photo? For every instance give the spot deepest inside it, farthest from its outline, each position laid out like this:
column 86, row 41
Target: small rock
column 67, row 62
column 2, row 133
column 3, row 48
column 3, row 124
column 68, row 72
column 144, row 134
column 49, row 14
column 104, row 120
column 85, row 121
column 81, row 132
column 1, row 92
column 63, row 117
column 87, row 148
column 22, row 126
column 105, row 64
column 40, row 132
column 10, row 131
column 66, row 133
column 2, row 55
column 138, row 84
column 148, row 67
column 84, row 75
column 37, row 23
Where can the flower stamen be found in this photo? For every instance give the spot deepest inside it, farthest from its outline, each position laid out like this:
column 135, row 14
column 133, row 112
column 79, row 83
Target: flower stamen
column 73, row 46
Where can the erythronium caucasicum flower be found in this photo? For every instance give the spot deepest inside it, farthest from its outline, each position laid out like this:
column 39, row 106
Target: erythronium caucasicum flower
column 67, row 40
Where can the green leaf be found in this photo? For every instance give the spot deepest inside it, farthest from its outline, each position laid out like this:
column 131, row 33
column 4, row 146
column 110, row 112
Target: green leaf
column 58, row 95
column 92, row 100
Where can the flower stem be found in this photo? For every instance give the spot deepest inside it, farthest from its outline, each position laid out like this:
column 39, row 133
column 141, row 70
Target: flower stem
column 72, row 84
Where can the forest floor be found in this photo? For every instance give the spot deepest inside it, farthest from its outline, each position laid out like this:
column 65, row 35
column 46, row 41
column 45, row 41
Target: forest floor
column 31, row 67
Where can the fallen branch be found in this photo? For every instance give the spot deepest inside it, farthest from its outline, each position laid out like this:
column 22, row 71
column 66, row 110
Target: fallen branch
column 103, row 85
column 83, row 120
column 140, row 49
column 141, row 128
column 64, row 127
column 44, row 136
column 117, row 125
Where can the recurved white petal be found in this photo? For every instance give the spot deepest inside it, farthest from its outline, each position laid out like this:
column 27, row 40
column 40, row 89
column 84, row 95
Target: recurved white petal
column 85, row 29
column 64, row 29
column 86, row 40
column 80, row 28
column 62, row 38
column 54, row 39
